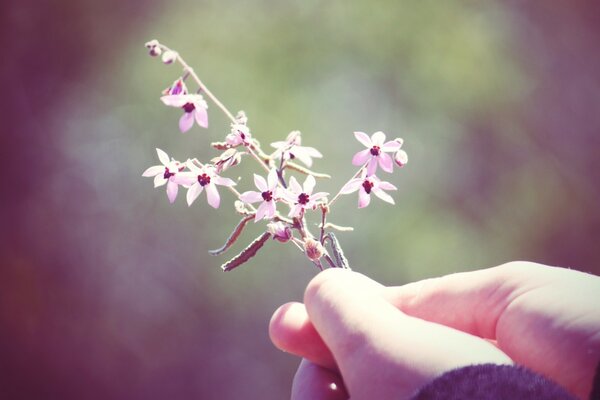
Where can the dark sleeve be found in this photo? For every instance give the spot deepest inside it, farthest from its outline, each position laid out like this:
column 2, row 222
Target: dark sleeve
column 492, row 382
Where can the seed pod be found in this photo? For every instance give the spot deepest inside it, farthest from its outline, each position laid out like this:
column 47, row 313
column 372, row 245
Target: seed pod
column 313, row 249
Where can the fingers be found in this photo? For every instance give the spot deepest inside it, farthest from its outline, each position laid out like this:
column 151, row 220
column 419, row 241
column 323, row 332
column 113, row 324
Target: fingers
column 379, row 350
column 313, row 382
column 291, row 331
column 472, row 302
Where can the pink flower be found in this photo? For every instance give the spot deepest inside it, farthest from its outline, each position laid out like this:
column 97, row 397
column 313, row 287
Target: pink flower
column 291, row 149
column 166, row 173
column 267, row 193
column 240, row 135
column 375, row 152
column 204, row 177
column 367, row 185
column 302, row 197
column 193, row 105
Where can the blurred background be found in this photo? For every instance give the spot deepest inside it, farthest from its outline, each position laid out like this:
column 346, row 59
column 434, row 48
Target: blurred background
column 107, row 291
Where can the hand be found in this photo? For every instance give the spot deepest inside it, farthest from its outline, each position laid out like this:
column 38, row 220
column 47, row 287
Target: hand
column 390, row 341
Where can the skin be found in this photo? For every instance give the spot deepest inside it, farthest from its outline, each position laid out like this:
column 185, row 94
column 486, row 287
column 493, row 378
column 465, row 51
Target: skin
column 372, row 341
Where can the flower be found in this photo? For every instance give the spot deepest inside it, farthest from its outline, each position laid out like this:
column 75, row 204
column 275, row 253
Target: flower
column 166, row 173
column 280, row 231
column 302, row 197
column 204, row 177
column 193, row 105
column 267, row 194
column 240, row 134
column 375, row 152
column 290, row 149
column 367, row 185
column 400, row 156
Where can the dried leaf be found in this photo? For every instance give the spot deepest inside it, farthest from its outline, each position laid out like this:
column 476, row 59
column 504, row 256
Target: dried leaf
column 247, row 253
column 338, row 254
column 306, row 171
column 338, row 227
column 233, row 237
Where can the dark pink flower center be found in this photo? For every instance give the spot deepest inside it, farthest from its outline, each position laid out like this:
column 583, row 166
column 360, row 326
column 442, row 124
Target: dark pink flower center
column 189, row 107
column 367, row 185
column 168, row 173
column 242, row 135
column 203, row 179
column 267, row 196
column 303, row 198
column 375, row 150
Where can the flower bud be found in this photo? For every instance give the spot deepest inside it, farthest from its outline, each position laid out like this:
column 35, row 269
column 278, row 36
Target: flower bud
column 151, row 44
column 400, row 158
column 313, row 249
column 155, row 51
column 280, row 231
column 169, row 57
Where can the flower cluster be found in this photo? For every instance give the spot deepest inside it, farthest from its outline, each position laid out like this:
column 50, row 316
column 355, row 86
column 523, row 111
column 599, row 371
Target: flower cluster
column 279, row 197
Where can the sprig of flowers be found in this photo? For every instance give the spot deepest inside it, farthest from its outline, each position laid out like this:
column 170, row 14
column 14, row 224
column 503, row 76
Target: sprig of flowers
column 278, row 188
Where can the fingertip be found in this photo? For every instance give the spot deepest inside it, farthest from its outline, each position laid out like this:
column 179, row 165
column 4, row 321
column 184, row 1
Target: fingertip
column 286, row 321
column 291, row 330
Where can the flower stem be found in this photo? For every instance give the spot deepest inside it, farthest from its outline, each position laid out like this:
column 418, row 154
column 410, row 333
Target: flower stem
column 340, row 192
column 189, row 70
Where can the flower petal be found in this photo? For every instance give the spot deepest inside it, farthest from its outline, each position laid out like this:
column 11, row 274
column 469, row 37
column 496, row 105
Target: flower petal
column 154, row 170
column 193, row 193
column 295, row 211
column 185, row 178
column 163, row 157
column 383, row 195
column 159, row 180
column 251, row 197
column 295, row 186
column 361, row 157
column 261, row 212
column 201, row 115
column 309, row 184
column 372, row 167
column 186, row 121
column 391, row 146
column 299, row 153
column 271, row 208
column 352, row 186
column 386, row 186
column 219, row 180
column 378, row 139
column 272, row 179
column 363, row 199
column 174, row 100
column 318, row 196
column 212, row 195
column 386, row 163
column 363, row 138
column 172, row 189
column 260, row 183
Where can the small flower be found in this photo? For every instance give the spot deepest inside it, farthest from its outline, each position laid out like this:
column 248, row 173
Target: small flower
column 267, row 194
column 166, row 173
column 204, row 177
column 240, row 135
column 280, row 231
column 400, row 156
column 227, row 159
column 193, row 105
column 367, row 185
column 375, row 152
column 153, row 48
column 291, row 149
column 302, row 197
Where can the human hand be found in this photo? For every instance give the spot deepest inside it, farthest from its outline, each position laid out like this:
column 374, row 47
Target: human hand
column 377, row 339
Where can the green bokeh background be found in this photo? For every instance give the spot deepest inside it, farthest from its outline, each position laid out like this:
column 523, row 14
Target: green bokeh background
column 495, row 102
